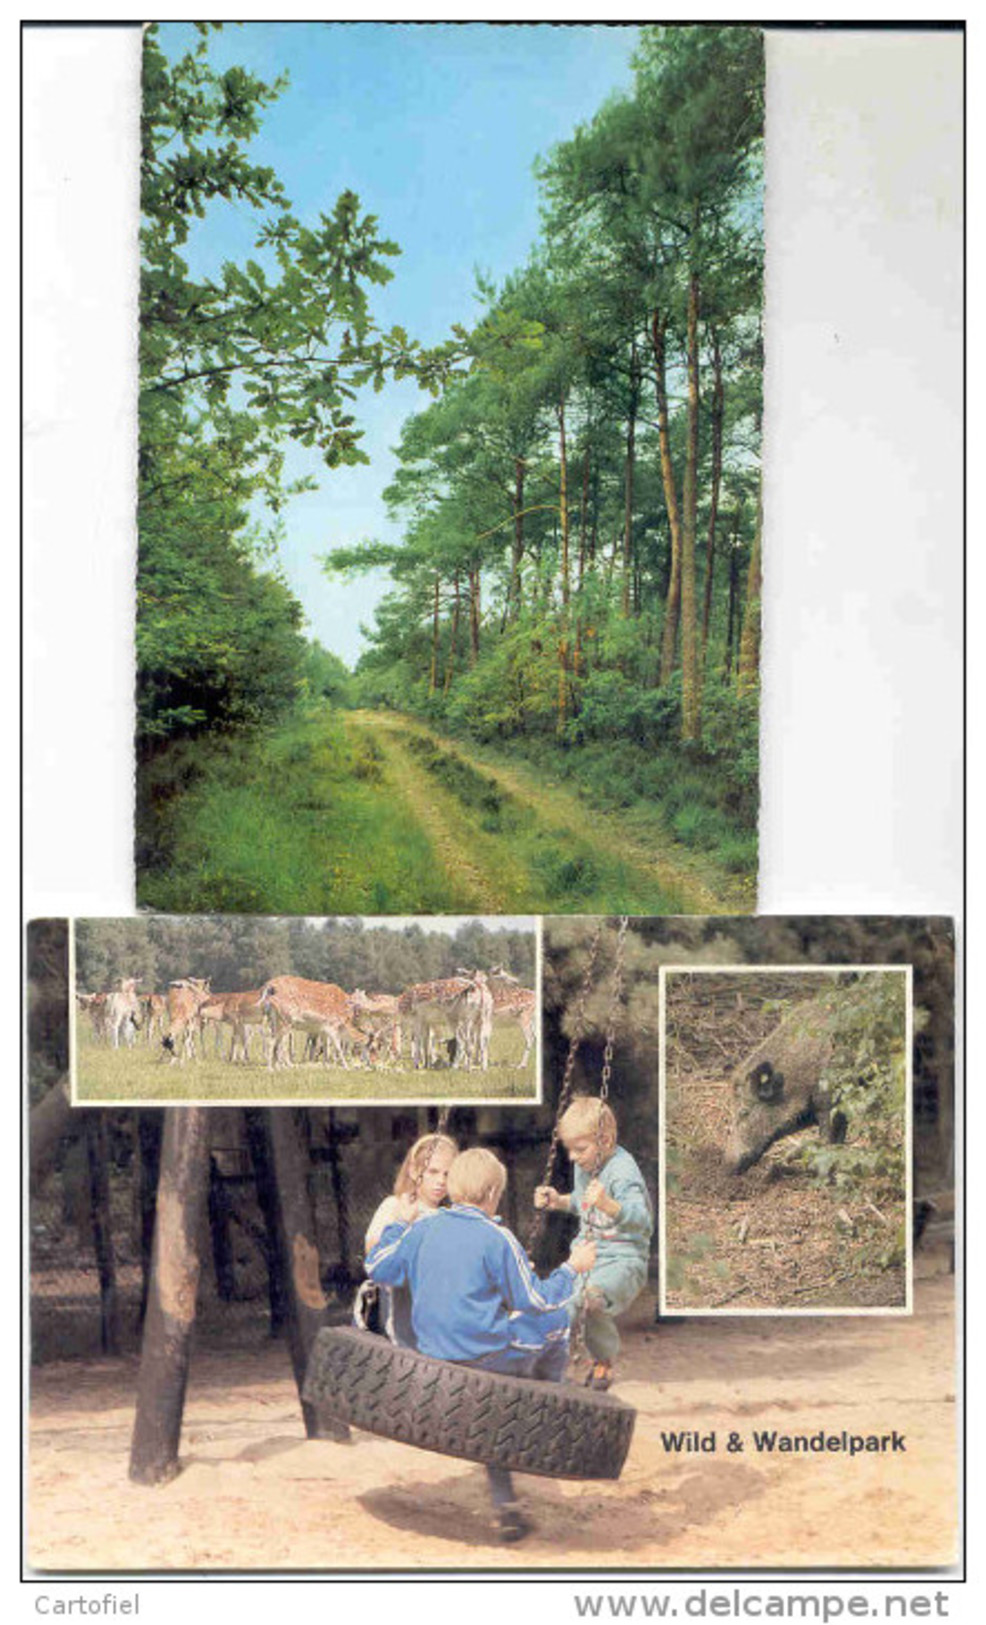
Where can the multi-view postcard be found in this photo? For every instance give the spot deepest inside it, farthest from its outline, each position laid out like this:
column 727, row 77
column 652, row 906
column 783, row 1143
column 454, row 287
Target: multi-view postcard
column 703, row 1274
column 444, row 1169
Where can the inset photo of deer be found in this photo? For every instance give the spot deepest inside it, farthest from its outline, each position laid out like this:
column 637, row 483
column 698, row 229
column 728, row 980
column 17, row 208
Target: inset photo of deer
column 786, row 1143
column 230, row 1010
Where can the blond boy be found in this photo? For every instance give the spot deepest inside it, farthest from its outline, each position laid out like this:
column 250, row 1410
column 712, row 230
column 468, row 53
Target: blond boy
column 613, row 1206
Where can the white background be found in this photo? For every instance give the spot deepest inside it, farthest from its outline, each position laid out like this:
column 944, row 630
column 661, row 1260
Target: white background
column 862, row 742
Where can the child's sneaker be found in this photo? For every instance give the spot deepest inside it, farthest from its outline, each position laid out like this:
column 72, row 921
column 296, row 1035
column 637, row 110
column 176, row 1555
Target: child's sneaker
column 600, row 1375
column 511, row 1524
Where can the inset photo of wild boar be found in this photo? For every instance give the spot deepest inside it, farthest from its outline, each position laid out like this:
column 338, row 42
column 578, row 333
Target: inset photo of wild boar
column 786, row 1149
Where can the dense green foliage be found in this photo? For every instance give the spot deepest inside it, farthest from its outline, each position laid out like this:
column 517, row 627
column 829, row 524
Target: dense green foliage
column 581, row 517
column 327, row 815
column 868, row 1080
column 239, row 954
column 282, row 822
column 233, row 367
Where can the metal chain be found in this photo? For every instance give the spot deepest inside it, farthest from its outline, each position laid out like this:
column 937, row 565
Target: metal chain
column 578, row 1342
column 565, row 1091
column 614, row 1004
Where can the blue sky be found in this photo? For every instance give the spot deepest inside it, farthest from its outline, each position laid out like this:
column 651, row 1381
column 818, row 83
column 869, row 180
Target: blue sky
column 436, row 127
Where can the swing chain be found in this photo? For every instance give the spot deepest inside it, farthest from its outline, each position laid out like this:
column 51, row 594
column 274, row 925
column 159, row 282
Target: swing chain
column 579, row 1346
column 614, row 1007
column 565, row 1091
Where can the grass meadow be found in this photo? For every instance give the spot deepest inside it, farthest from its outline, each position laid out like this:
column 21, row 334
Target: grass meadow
column 297, row 821
column 366, row 814
column 138, row 1074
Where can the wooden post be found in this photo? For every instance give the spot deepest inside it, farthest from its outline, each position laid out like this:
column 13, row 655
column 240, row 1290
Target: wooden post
column 50, row 1120
column 222, row 1252
column 297, row 1260
column 149, row 1129
column 339, row 1195
column 258, row 1141
column 97, row 1150
column 170, row 1314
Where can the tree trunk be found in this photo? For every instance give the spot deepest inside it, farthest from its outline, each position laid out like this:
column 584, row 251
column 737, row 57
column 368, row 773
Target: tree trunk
column 563, row 504
column 749, row 652
column 433, row 673
column 474, row 611
column 631, row 438
column 150, row 1125
column 222, row 1252
column 710, row 543
column 97, row 1150
column 258, row 1141
column 562, row 705
column 690, row 695
column 515, row 594
column 297, row 1254
column 584, row 516
column 50, row 1120
column 731, row 613
column 337, row 1174
column 171, row 1303
column 672, row 603
column 453, row 635
column 583, row 544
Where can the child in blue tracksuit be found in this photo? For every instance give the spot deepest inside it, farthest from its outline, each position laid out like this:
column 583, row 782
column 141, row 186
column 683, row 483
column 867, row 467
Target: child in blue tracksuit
column 614, row 1209
column 475, row 1298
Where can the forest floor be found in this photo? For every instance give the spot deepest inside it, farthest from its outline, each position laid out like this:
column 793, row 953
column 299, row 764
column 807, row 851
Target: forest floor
column 366, row 812
column 772, row 1238
column 253, row 1494
column 559, row 847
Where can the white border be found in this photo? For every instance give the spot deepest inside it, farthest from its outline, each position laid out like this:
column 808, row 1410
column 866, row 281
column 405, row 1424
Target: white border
column 688, row 1311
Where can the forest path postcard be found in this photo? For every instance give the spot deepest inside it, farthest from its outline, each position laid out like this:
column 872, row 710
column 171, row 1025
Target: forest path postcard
column 449, row 476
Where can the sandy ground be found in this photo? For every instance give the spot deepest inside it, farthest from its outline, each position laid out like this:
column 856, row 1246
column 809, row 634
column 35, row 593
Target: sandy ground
column 254, row 1494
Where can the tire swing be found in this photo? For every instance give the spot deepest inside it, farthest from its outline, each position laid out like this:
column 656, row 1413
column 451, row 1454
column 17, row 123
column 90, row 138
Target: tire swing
column 550, row 1429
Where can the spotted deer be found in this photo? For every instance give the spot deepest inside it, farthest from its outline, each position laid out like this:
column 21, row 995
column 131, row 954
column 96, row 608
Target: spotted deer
column 154, row 1008
column 514, row 1004
column 378, row 1015
column 475, row 1027
column 122, row 1012
column 186, row 997
column 457, row 1008
column 241, row 1012
column 315, row 1008
column 94, row 1005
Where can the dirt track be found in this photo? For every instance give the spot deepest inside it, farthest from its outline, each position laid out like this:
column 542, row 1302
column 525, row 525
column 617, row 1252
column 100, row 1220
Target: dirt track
column 487, row 868
column 253, row 1494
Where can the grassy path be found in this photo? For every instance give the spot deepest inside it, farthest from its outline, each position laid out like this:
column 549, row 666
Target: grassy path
column 673, row 877
column 479, row 874
column 371, row 812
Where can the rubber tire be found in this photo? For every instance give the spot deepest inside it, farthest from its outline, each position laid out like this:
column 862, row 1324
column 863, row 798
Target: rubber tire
column 548, row 1428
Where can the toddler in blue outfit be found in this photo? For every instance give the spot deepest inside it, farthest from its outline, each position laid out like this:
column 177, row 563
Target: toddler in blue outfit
column 613, row 1206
